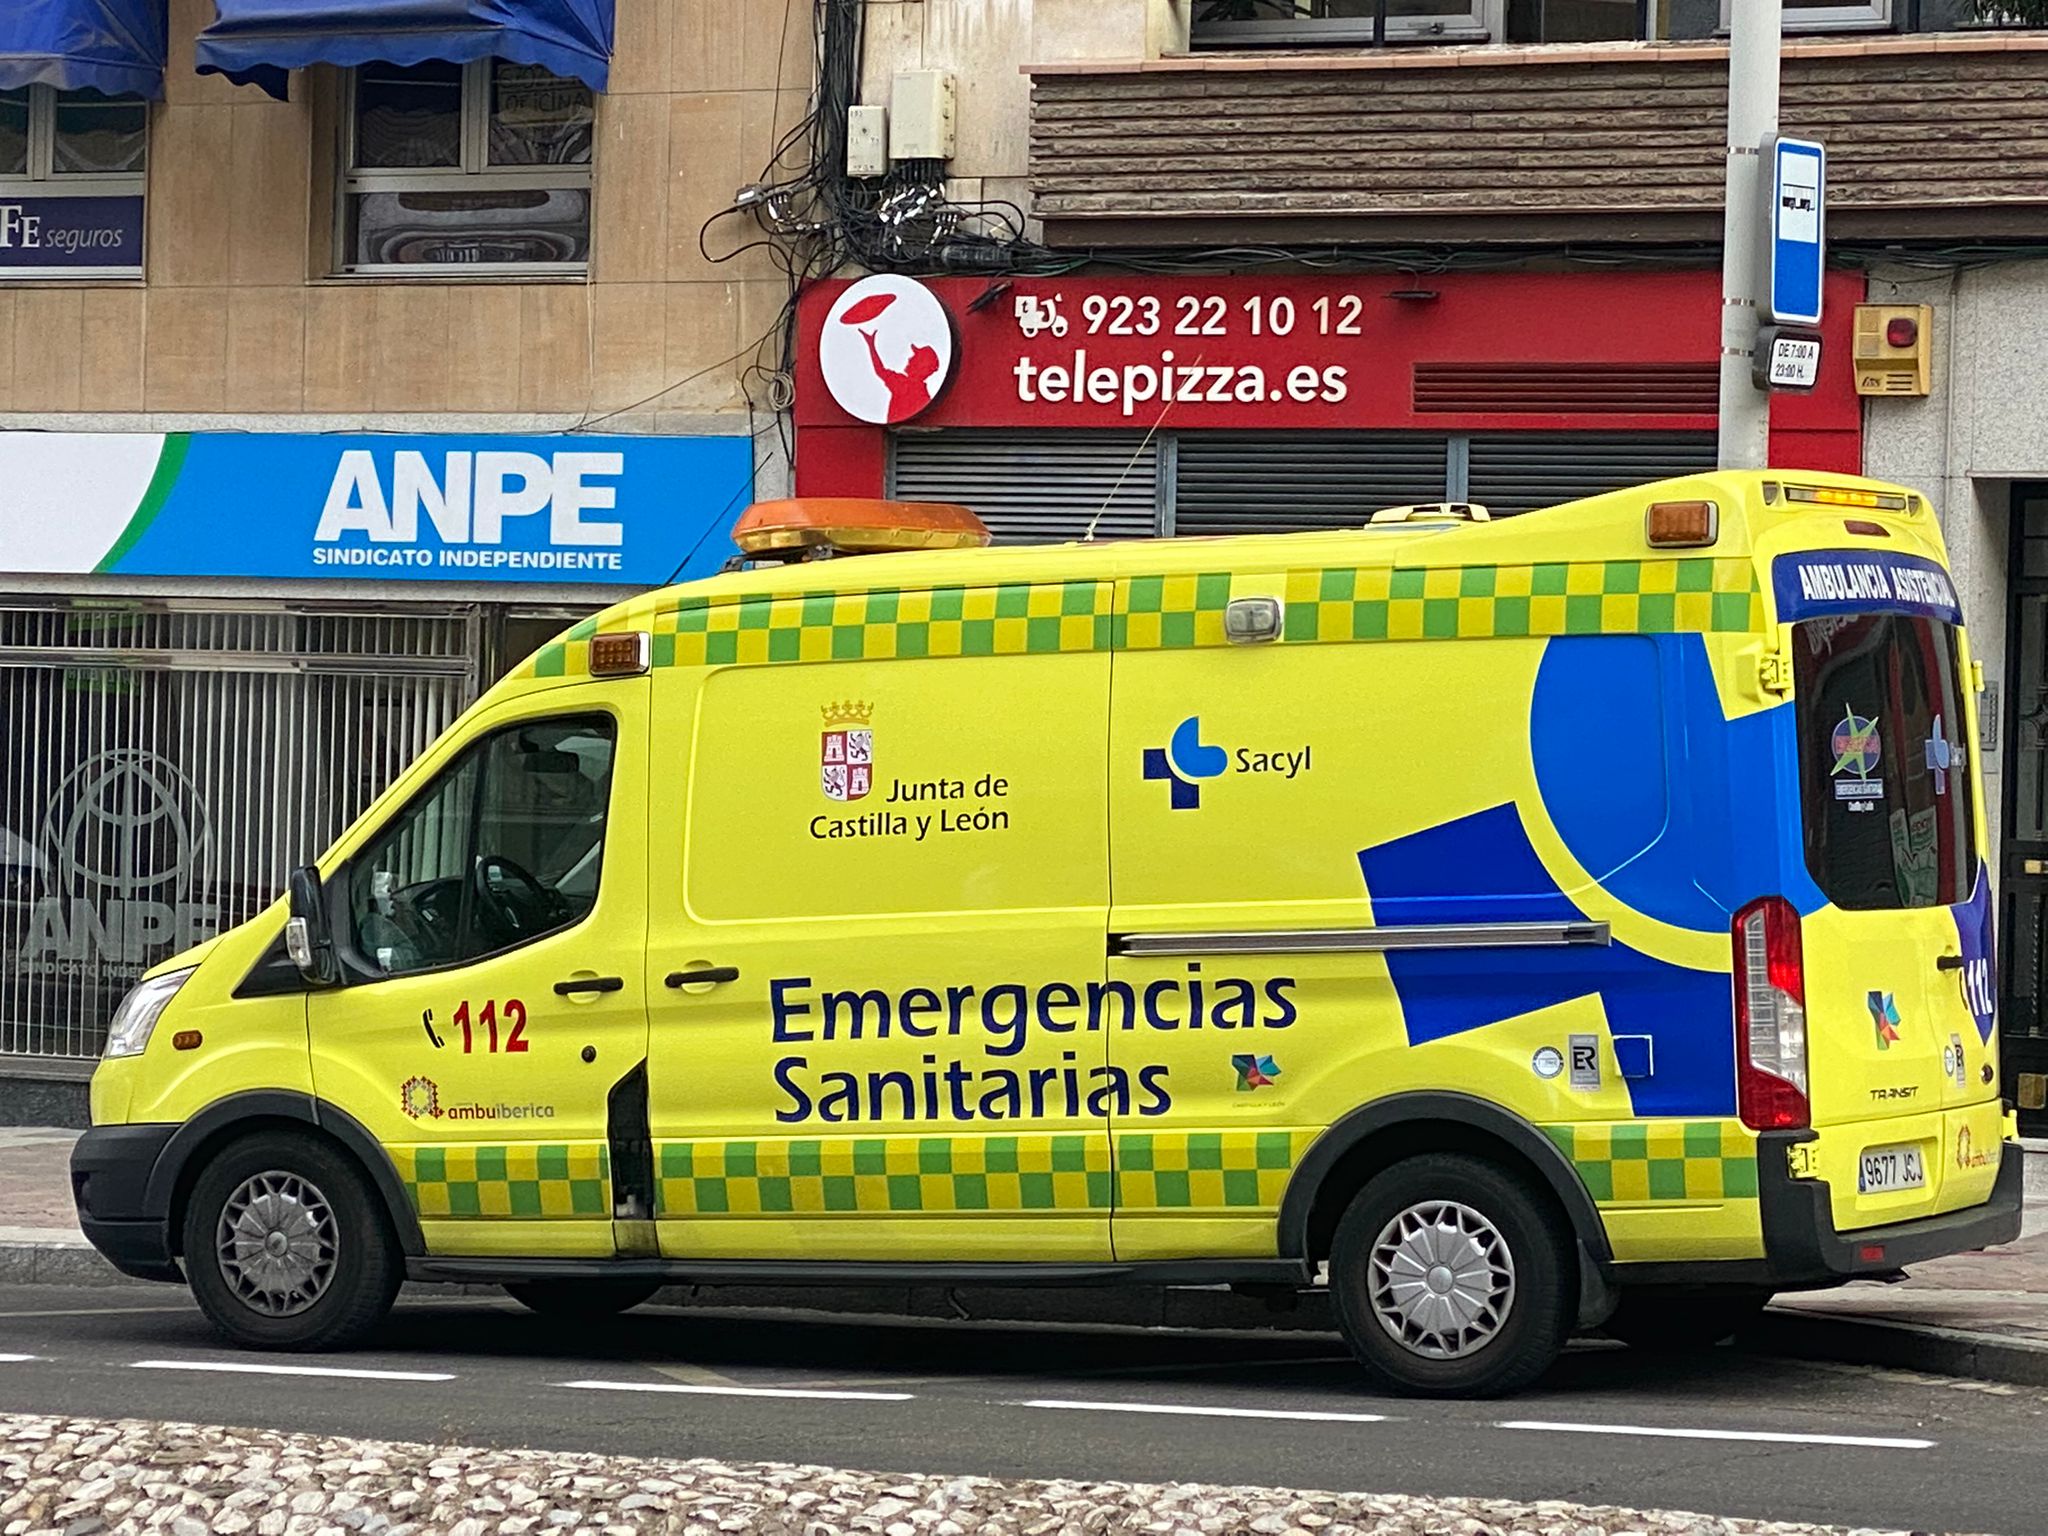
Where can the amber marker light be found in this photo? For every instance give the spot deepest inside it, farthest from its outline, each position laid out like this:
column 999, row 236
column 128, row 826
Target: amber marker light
column 623, row 655
column 1682, row 524
column 1836, row 496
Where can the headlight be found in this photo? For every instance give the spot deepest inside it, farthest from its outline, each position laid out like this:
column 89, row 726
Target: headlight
column 140, row 1010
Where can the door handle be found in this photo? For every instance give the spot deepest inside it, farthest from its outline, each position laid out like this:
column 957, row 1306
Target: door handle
column 588, row 984
column 704, row 975
column 1949, row 963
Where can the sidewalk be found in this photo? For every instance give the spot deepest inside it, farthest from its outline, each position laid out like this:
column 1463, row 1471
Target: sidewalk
column 39, row 1236
column 1978, row 1314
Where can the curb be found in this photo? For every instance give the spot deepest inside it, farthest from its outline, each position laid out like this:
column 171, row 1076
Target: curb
column 1790, row 1333
column 60, row 1259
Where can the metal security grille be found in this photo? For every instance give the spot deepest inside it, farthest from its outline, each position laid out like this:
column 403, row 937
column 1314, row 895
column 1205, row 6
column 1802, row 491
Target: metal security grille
column 1268, row 482
column 167, row 767
column 1034, row 486
column 1520, row 471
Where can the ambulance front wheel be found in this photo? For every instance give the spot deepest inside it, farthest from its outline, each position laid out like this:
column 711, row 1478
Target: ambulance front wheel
column 1452, row 1277
column 581, row 1298
column 286, row 1246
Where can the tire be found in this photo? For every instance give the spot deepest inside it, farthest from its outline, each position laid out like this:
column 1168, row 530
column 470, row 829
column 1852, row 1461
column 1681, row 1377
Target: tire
column 343, row 1258
column 1672, row 1322
column 1521, row 1295
column 581, row 1298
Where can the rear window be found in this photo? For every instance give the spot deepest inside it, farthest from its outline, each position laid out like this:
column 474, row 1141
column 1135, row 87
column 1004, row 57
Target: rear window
column 1883, row 761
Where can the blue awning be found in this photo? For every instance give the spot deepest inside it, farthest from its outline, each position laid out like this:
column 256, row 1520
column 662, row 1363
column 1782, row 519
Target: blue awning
column 258, row 41
column 113, row 46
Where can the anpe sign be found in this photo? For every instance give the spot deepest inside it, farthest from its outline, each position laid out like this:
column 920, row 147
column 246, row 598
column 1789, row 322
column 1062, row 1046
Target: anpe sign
column 70, row 235
column 638, row 511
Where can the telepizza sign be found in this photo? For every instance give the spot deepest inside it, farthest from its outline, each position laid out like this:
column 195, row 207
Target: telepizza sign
column 1346, row 351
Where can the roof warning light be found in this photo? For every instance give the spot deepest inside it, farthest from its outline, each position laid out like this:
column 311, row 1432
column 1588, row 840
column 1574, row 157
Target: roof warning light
column 816, row 527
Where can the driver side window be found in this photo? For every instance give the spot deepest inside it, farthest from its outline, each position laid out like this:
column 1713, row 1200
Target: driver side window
column 505, row 846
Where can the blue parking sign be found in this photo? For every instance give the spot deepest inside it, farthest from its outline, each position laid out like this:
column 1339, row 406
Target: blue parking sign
column 1798, row 225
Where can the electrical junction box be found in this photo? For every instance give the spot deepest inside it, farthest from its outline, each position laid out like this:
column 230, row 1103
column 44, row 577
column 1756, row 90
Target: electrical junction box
column 867, row 141
column 1893, row 349
column 921, row 115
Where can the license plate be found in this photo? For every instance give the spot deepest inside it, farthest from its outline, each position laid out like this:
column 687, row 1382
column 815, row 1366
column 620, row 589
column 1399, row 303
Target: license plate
column 1887, row 1168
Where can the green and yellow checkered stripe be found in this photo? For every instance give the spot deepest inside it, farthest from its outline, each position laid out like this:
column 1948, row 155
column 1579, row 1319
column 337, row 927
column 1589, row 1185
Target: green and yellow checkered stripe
column 530, row 1181
column 881, row 1174
column 1643, row 1162
column 1176, row 612
column 1206, row 1170
column 1017, row 620
column 1629, row 597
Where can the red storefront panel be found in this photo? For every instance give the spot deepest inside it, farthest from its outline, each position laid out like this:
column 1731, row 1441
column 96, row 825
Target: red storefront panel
column 1458, row 353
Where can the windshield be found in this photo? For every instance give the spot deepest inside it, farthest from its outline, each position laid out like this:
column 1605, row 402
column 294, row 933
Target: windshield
column 1883, row 761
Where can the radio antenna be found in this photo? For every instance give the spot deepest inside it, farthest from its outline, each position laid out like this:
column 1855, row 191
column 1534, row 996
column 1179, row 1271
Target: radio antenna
column 1139, row 452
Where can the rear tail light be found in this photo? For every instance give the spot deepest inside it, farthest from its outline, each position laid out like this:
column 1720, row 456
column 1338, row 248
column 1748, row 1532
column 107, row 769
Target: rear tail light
column 1770, row 1017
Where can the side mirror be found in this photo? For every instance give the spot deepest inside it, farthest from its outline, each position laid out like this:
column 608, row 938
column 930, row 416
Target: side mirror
column 307, row 937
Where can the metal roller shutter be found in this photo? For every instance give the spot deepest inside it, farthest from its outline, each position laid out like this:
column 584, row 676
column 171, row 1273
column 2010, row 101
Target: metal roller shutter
column 1270, row 482
column 1520, row 471
column 1035, row 486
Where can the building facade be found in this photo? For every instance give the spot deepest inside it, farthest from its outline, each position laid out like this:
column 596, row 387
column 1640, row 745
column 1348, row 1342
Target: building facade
column 339, row 366
column 1500, row 220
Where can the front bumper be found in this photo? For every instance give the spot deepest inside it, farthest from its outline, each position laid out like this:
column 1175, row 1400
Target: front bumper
column 110, row 1177
column 1802, row 1247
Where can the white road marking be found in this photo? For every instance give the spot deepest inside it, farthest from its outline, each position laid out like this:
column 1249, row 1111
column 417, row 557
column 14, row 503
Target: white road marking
column 17, row 1359
column 707, row 1389
column 1200, row 1411
column 250, row 1368
column 1765, row 1436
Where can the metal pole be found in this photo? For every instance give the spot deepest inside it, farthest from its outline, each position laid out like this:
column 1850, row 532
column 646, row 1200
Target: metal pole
column 1754, row 30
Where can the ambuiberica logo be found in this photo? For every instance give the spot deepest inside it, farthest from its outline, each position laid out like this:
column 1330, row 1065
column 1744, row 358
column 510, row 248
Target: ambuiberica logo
column 1186, row 760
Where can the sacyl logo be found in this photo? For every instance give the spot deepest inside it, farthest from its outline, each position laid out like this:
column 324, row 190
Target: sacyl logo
column 1183, row 760
column 1186, row 758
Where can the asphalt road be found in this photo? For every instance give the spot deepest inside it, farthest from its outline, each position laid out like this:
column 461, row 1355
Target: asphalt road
column 1723, row 1432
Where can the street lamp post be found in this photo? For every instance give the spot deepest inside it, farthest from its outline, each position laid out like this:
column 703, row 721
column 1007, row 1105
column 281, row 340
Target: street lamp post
column 1753, row 39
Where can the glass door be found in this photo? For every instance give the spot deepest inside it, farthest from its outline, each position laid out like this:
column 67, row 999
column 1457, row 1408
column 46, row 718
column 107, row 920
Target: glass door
column 2023, row 925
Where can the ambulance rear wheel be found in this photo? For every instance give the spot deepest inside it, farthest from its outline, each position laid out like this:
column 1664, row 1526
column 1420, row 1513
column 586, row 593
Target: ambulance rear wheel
column 1452, row 1277
column 287, row 1246
column 1670, row 1322
column 581, row 1298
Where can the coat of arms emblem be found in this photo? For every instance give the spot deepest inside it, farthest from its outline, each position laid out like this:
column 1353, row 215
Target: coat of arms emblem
column 846, row 751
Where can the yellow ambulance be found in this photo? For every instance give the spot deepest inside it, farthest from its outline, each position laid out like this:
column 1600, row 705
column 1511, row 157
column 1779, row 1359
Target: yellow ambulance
column 1520, row 926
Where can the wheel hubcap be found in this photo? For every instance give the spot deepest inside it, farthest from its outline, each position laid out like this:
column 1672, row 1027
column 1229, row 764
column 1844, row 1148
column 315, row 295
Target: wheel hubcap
column 1441, row 1279
column 277, row 1243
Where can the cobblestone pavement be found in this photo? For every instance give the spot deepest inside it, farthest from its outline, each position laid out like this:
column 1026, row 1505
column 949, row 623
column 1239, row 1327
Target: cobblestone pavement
column 97, row 1477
